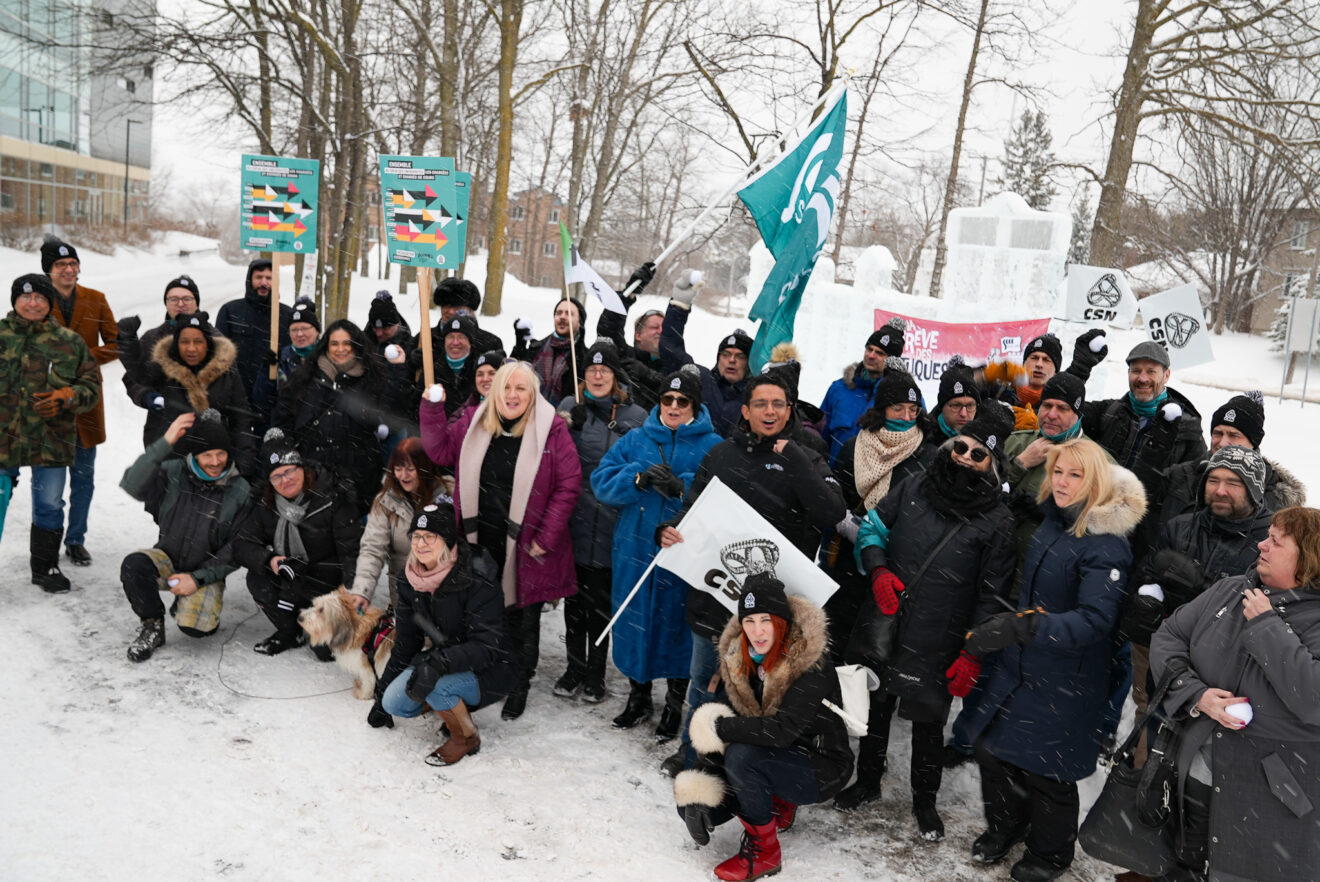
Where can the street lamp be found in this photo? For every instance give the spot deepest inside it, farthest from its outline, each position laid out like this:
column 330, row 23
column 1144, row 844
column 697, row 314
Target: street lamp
column 128, row 128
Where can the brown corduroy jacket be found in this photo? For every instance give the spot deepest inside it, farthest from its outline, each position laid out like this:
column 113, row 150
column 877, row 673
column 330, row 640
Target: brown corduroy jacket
column 95, row 323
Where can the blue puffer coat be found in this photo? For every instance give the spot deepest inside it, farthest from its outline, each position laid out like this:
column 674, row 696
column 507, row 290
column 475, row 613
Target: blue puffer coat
column 845, row 401
column 651, row 639
column 1044, row 702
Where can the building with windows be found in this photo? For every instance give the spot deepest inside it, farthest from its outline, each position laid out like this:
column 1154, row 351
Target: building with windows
column 75, row 117
column 1286, row 270
column 533, row 249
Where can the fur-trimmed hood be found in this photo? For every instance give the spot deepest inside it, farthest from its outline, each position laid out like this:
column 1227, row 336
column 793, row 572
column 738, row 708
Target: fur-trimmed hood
column 1121, row 513
column 223, row 356
column 1285, row 486
column 850, row 375
column 806, row 642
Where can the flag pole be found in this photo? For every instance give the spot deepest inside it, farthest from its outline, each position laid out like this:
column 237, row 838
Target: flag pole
column 424, row 336
column 627, row 600
column 748, row 173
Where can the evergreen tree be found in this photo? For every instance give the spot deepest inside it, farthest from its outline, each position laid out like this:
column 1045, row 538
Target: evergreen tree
column 1079, row 249
column 1028, row 160
column 1278, row 332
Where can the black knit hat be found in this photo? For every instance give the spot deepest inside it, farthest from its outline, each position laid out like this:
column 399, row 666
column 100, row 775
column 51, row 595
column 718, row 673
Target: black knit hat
column 790, row 371
column 183, row 282
column 763, row 593
column 383, row 312
column 493, row 357
column 207, row 433
column 32, row 283
column 957, row 381
column 304, row 310
column 52, row 249
column 685, row 381
column 889, row 337
column 1246, row 464
column 1066, row 388
column 1048, row 344
column 992, row 426
column 603, row 353
column 456, row 292
column 1246, row 413
column 460, row 324
column 437, row 518
column 277, row 451
column 896, row 387
column 197, row 320
column 737, row 340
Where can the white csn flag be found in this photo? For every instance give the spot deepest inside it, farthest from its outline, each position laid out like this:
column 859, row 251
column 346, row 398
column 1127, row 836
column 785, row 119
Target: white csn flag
column 578, row 270
column 725, row 540
column 1099, row 295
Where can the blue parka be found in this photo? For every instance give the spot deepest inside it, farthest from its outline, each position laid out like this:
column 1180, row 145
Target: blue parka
column 845, row 401
column 1044, row 702
column 651, row 639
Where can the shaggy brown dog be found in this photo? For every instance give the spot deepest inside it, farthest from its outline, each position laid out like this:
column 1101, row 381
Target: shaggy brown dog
column 333, row 620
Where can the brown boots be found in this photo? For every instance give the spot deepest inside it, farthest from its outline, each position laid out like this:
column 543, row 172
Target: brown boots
column 463, row 737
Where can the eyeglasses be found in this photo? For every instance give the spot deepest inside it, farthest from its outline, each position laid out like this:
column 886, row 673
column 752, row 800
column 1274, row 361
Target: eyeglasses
column 421, row 537
column 672, row 400
column 178, row 301
column 767, row 405
column 66, row 263
column 285, row 476
column 961, row 408
column 978, row 454
column 31, row 295
column 598, row 370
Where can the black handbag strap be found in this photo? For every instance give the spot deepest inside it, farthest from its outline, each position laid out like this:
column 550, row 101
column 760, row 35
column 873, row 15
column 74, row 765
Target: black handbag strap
column 930, row 559
column 1129, row 747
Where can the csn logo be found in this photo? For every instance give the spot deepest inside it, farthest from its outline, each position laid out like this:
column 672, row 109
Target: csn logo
column 740, row 560
column 1175, row 329
column 1102, row 298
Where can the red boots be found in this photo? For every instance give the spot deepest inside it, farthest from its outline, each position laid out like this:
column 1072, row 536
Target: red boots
column 785, row 812
column 759, row 855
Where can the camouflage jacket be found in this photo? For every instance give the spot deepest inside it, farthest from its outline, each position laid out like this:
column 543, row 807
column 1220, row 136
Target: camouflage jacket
column 40, row 357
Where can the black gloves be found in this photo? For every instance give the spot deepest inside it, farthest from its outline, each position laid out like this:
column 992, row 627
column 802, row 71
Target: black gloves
column 699, row 823
column 1002, row 631
column 662, row 479
column 128, row 327
column 425, row 675
column 1181, row 577
column 642, row 276
column 577, row 417
column 291, row 569
column 269, row 357
column 522, row 331
column 1084, row 358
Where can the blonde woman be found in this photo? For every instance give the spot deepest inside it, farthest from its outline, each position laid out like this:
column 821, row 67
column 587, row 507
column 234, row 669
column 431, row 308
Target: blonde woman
column 1036, row 728
column 517, row 481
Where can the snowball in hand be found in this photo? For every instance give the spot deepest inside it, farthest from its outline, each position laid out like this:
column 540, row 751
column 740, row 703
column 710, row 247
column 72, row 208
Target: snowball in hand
column 695, row 276
column 1241, row 710
column 392, row 351
column 1098, row 343
column 1152, row 590
column 435, row 394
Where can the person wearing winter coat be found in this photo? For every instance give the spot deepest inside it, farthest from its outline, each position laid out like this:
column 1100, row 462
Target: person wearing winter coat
column 1036, row 728
column 86, row 312
column 724, row 389
column 1239, row 422
column 193, row 491
column 304, row 334
column 788, row 484
column 455, row 296
column 775, row 745
column 411, row 482
column 808, row 422
column 50, row 376
column 646, row 476
column 452, row 363
column 851, row 395
column 300, row 542
column 332, row 410
column 956, row 404
column 558, row 369
column 640, row 359
column 246, row 322
column 454, row 588
column 1245, row 661
column 486, row 364
column 192, row 371
column 1020, row 385
column 517, row 481
column 182, row 298
column 942, row 544
column 602, row 415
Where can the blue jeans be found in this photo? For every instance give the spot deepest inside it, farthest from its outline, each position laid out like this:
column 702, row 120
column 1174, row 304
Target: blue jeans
column 82, row 480
column 704, row 665
column 757, row 773
column 449, row 691
column 48, row 497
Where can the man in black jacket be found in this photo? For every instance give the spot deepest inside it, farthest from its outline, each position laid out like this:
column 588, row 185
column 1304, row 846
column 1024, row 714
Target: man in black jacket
column 550, row 356
column 723, row 389
column 641, row 360
column 457, row 296
column 246, row 322
column 198, row 499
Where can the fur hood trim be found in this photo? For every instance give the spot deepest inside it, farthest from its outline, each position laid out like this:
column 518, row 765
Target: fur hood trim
column 785, row 351
column 223, row 355
column 1287, row 488
column 850, row 374
column 692, row 787
column 807, row 641
column 1120, row 514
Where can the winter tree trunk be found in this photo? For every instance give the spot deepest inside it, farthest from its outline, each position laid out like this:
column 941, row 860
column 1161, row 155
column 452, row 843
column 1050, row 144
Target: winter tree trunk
column 497, row 258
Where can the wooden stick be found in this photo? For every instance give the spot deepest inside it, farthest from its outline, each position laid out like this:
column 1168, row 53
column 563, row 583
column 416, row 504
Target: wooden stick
column 424, row 298
column 277, row 259
column 572, row 348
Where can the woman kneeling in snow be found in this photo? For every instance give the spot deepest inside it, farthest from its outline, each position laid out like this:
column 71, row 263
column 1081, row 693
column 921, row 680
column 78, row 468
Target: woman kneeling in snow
column 780, row 746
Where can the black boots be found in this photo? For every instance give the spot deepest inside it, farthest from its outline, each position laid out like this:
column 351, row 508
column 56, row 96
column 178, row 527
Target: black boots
column 45, row 549
column 148, row 640
column 929, row 824
column 638, row 707
column 77, row 553
column 867, row 786
column 279, row 642
column 516, row 703
column 671, row 715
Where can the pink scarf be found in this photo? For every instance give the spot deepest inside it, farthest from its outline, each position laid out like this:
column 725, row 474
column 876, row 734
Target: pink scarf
column 426, row 581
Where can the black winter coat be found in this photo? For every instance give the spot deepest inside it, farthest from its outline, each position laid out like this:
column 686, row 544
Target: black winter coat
column 592, row 524
column 1184, row 488
column 459, row 386
column 134, row 354
column 645, row 371
column 794, row 490
column 246, row 322
column 722, row 398
column 330, row 532
column 568, row 381
column 468, row 609
column 968, row 581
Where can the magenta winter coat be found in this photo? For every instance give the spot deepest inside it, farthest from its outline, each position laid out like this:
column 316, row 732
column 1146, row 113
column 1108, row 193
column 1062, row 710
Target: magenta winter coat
column 553, row 497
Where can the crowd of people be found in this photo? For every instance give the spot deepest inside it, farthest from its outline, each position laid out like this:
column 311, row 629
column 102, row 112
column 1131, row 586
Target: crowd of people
column 1031, row 553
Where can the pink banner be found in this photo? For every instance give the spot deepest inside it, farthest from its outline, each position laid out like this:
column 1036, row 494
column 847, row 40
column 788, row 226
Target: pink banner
column 928, row 345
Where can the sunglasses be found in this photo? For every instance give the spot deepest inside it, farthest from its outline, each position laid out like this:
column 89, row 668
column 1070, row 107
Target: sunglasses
column 978, row 454
column 675, row 400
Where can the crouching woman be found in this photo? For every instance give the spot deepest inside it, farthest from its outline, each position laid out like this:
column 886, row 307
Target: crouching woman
column 776, row 745
column 449, row 591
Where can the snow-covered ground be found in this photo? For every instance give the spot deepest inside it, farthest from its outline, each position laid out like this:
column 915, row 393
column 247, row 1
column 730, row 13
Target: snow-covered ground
column 211, row 761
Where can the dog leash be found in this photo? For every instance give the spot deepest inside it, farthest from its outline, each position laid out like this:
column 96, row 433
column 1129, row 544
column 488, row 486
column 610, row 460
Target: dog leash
column 221, row 677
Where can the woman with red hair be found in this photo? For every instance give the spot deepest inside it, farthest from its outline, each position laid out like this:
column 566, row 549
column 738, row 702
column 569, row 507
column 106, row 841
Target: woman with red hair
column 775, row 745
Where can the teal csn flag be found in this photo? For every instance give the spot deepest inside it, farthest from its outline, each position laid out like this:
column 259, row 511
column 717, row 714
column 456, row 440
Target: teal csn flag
column 792, row 203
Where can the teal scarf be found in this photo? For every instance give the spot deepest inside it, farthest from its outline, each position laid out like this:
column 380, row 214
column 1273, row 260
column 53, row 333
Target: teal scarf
column 1065, row 435
column 303, row 351
column 900, row 425
column 456, row 365
column 944, row 427
column 197, row 470
column 1147, row 409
